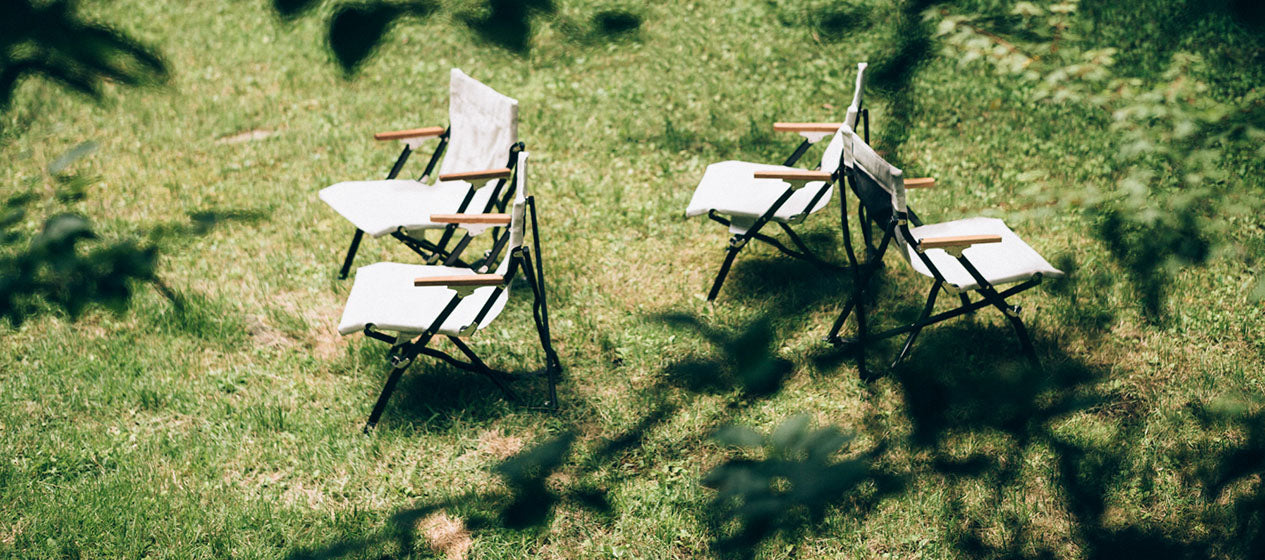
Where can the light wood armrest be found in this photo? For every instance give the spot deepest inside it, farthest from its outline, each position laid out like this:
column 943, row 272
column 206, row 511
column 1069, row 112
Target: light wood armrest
column 793, row 175
column 501, row 173
column 495, row 219
column 410, row 133
column 463, row 280
column 952, row 241
column 806, row 126
column 920, row 182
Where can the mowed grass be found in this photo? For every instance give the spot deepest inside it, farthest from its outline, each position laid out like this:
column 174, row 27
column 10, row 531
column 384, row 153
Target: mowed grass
column 232, row 428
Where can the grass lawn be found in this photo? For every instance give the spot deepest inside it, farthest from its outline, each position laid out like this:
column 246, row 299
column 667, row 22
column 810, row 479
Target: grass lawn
column 232, row 428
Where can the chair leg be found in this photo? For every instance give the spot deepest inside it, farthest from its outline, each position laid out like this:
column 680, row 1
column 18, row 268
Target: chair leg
column 919, row 324
column 1025, row 341
column 351, row 254
column 392, row 379
column 966, row 301
column 735, row 245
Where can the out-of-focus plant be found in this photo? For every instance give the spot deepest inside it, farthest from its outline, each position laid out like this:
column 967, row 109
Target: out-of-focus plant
column 357, row 28
column 64, row 265
column 789, row 489
column 1187, row 164
column 50, row 39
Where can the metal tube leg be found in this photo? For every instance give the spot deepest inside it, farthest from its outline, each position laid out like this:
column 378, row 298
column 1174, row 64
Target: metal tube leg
column 381, row 405
column 860, row 346
column 351, row 254
column 732, row 252
column 1024, row 340
column 919, row 324
column 966, row 300
column 833, row 336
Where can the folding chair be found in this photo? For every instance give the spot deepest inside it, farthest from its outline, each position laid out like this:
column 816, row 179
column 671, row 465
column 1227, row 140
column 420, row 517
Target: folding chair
column 478, row 150
column 420, row 302
column 962, row 256
column 753, row 194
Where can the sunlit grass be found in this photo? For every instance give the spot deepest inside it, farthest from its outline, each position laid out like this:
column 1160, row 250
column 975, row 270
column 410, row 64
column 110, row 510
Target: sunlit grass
column 232, row 428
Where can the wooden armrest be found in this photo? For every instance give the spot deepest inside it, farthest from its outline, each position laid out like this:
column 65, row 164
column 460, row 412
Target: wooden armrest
column 410, row 133
column 495, row 219
column 793, row 175
column 920, row 182
column 956, row 241
column 463, row 280
column 806, row 126
column 502, row 173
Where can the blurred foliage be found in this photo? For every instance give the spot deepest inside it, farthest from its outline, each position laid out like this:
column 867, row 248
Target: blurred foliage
column 64, row 266
column 357, row 29
column 1190, row 138
column 52, row 40
column 787, row 490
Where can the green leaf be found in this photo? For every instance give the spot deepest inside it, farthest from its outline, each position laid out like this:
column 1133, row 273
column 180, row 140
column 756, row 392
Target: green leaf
column 739, row 436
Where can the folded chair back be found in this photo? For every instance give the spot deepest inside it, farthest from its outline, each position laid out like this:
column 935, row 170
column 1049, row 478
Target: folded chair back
column 483, row 124
column 879, row 185
column 832, row 158
column 517, row 231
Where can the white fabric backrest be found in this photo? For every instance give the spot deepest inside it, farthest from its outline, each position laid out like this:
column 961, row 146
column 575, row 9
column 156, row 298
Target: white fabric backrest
column 861, row 157
column 483, row 124
column 830, row 159
column 854, row 108
column 518, row 215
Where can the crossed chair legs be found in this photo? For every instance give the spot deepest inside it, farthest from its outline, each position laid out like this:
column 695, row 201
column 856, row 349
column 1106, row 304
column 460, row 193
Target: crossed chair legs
column 989, row 297
column 433, row 252
column 403, row 351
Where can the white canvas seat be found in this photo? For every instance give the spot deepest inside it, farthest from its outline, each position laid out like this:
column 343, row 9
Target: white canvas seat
column 732, row 194
column 729, row 188
column 384, row 296
column 962, row 257
column 482, row 135
column 382, row 207
column 396, row 302
column 1002, row 263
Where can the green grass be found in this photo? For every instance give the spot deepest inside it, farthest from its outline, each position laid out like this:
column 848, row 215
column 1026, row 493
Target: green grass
column 232, row 428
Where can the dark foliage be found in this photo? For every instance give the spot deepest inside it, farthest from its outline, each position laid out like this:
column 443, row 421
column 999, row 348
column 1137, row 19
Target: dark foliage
column 50, row 39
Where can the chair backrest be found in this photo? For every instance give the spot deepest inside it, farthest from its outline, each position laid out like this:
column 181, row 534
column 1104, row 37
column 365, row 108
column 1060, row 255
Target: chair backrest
column 518, row 214
column 483, row 124
column 879, row 185
column 833, row 156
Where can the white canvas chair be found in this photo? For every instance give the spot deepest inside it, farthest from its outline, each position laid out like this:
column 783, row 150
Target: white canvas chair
column 745, row 196
column 478, row 158
column 407, row 305
column 960, row 257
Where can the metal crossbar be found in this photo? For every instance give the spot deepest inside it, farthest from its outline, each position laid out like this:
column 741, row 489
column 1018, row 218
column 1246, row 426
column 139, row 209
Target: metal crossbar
column 403, row 353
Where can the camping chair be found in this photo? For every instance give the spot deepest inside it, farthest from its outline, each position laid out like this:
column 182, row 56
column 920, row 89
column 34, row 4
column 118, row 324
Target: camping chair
column 478, row 150
column 962, row 256
column 416, row 303
column 753, row 194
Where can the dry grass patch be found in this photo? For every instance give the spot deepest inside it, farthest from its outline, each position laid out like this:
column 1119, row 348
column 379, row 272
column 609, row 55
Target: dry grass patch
column 446, row 535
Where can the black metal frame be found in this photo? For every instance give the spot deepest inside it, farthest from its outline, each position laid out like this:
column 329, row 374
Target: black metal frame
column 432, row 252
column 403, row 353
column 863, row 272
column 739, row 240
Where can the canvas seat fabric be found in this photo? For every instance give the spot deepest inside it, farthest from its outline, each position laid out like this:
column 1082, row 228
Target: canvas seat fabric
column 729, row 188
column 381, row 207
column 384, row 296
column 1010, row 261
column 482, row 125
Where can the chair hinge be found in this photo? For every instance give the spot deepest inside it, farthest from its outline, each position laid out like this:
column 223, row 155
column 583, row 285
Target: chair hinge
column 1014, row 310
column 738, row 242
column 400, row 361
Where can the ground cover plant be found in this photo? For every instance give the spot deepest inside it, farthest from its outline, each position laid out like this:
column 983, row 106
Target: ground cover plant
column 194, row 400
